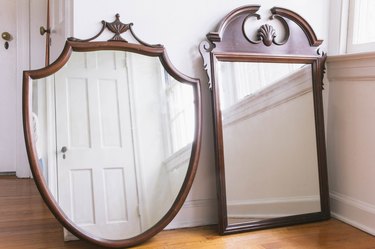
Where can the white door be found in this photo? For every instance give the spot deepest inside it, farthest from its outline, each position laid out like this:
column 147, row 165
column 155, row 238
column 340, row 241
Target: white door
column 96, row 175
column 17, row 18
column 61, row 12
column 8, row 69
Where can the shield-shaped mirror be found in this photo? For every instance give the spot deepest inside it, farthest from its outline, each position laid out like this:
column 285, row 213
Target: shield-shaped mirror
column 113, row 136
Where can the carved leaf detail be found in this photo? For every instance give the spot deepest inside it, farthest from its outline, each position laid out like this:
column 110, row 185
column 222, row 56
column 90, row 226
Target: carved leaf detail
column 205, row 48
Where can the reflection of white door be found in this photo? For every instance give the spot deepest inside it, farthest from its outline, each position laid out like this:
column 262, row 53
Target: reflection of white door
column 96, row 175
column 8, row 69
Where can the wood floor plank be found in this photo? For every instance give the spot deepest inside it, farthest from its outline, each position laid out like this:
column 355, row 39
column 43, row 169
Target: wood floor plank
column 25, row 222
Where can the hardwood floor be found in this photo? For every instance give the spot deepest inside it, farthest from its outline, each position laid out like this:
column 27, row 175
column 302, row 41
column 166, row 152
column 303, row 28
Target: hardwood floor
column 26, row 223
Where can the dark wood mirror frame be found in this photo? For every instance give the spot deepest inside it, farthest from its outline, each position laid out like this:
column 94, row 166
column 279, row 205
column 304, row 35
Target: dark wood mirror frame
column 120, row 44
column 231, row 43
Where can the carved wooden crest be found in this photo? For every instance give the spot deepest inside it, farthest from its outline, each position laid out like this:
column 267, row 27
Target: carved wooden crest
column 231, row 36
column 117, row 27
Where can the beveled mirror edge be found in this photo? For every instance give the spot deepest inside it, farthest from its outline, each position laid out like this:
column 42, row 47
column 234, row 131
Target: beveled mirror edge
column 154, row 51
column 212, row 52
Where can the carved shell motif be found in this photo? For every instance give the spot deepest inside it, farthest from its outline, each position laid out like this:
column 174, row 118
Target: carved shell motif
column 117, row 27
column 267, row 33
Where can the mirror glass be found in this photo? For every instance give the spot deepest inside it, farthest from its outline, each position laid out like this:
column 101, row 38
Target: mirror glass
column 113, row 133
column 269, row 140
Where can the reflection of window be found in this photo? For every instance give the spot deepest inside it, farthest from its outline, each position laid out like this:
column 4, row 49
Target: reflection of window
column 249, row 78
column 181, row 118
column 361, row 34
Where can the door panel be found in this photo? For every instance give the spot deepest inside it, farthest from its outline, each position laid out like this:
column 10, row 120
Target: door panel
column 82, row 196
column 115, row 193
column 109, row 113
column 78, row 116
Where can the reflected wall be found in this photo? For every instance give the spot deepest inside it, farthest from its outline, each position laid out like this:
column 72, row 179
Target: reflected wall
column 269, row 140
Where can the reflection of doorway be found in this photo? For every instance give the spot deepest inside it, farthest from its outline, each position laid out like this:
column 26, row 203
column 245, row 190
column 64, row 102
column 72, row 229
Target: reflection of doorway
column 96, row 175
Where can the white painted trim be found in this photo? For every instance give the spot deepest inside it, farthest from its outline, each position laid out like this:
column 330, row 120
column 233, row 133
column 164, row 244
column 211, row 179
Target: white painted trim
column 23, row 63
column 344, row 26
column 274, row 207
column 68, row 236
column 351, row 67
column 341, row 29
column 51, row 137
column 282, row 91
column 338, row 26
column 352, row 45
column 351, row 57
column 347, row 200
column 204, row 214
column 354, row 223
column 353, row 211
column 69, row 6
column 276, row 200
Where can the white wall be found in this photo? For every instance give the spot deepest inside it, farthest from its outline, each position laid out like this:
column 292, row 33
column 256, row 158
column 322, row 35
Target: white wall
column 351, row 140
column 180, row 26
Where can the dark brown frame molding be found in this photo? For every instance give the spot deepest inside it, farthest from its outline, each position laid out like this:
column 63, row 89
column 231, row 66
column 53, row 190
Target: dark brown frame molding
column 116, row 43
column 230, row 42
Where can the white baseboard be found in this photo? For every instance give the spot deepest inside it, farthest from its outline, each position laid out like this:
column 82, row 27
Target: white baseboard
column 353, row 223
column 68, row 236
column 274, row 207
column 195, row 213
column 353, row 212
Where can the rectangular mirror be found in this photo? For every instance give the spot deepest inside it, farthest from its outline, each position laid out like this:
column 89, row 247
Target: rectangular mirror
column 269, row 140
column 266, row 85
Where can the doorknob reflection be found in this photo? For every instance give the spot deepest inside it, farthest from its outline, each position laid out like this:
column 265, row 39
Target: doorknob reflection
column 64, row 149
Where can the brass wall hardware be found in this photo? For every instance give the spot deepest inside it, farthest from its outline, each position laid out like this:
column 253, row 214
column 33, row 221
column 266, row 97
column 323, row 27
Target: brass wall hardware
column 43, row 30
column 6, row 37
